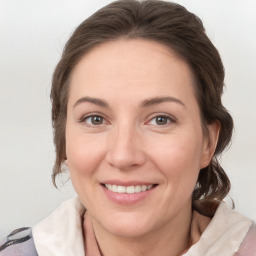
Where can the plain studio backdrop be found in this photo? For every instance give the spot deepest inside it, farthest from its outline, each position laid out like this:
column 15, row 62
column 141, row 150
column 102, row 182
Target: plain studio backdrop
column 32, row 36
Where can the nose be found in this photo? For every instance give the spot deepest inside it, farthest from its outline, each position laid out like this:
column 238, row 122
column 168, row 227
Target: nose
column 125, row 149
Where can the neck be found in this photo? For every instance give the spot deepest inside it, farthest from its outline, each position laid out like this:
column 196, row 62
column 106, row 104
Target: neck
column 173, row 239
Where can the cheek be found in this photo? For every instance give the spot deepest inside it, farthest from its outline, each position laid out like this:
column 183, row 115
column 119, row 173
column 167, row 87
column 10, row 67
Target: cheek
column 178, row 150
column 178, row 159
column 84, row 154
column 84, row 159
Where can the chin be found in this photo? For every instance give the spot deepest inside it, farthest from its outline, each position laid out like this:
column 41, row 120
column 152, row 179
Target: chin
column 128, row 225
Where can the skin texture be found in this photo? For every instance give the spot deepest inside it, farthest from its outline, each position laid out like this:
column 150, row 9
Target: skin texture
column 128, row 144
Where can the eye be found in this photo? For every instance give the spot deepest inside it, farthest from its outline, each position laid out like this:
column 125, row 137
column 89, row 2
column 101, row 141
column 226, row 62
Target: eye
column 161, row 120
column 94, row 120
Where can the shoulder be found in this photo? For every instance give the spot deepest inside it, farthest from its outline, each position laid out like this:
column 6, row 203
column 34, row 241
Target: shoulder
column 248, row 246
column 225, row 233
column 61, row 233
column 18, row 242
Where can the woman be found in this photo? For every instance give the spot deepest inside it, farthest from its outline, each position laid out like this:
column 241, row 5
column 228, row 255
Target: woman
column 138, row 120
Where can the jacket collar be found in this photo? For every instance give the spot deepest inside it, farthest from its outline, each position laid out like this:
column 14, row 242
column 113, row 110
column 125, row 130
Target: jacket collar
column 60, row 234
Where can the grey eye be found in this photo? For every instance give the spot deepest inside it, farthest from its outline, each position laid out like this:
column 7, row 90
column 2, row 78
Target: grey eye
column 94, row 120
column 161, row 120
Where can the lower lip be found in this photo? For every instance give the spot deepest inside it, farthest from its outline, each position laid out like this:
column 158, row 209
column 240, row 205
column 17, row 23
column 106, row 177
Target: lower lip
column 125, row 198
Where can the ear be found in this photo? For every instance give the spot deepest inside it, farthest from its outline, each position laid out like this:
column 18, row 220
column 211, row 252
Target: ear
column 66, row 162
column 210, row 143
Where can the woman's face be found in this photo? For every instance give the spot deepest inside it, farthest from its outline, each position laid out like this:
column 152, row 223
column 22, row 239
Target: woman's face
column 134, row 140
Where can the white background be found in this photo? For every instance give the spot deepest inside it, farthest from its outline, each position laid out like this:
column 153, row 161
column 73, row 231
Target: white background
column 32, row 35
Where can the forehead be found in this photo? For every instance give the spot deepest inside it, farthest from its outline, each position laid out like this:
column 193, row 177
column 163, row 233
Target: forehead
column 140, row 65
column 128, row 52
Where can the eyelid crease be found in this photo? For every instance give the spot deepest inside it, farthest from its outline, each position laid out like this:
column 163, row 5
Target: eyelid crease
column 89, row 123
column 155, row 115
column 149, row 118
column 153, row 122
column 98, row 114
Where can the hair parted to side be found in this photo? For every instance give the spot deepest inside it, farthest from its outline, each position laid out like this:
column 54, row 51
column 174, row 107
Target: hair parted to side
column 183, row 32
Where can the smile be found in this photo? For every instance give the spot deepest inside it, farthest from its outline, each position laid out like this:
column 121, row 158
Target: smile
column 128, row 189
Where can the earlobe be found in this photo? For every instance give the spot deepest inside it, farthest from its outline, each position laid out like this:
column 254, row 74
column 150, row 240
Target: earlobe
column 210, row 143
column 66, row 162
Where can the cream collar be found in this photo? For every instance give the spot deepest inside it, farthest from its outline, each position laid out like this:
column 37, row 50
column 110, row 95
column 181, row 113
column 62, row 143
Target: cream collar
column 60, row 234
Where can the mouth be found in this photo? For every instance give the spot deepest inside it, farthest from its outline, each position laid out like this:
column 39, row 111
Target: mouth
column 128, row 189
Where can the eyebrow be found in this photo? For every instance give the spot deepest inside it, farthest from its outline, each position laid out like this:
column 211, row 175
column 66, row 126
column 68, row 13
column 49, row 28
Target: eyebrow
column 145, row 103
column 158, row 100
column 95, row 101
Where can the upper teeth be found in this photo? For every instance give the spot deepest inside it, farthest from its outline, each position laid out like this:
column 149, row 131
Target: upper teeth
column 128, row 189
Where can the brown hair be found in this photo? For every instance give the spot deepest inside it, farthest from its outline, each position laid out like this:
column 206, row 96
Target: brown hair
column 169, row 24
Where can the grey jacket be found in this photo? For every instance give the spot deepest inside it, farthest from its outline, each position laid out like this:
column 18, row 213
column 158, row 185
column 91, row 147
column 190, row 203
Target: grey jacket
column 18, row 243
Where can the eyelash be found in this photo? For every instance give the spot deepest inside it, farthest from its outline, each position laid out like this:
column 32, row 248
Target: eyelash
column 170, row 119
column 84, row 118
